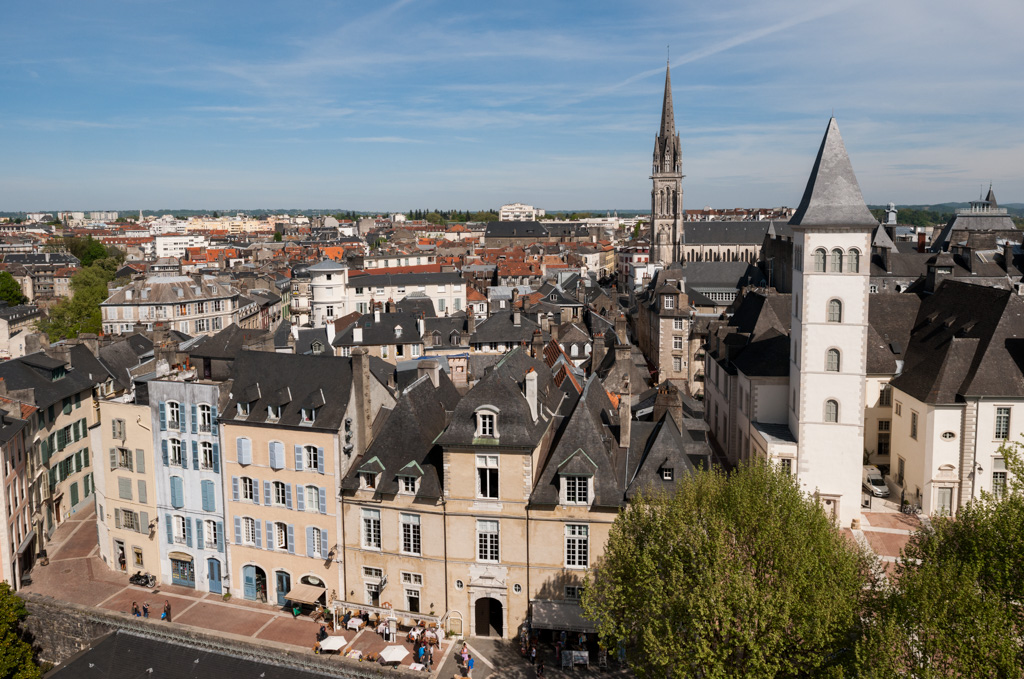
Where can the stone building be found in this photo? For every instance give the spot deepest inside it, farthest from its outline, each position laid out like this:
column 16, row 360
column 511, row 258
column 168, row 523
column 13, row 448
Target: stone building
column 667, row 190
column 197, row 305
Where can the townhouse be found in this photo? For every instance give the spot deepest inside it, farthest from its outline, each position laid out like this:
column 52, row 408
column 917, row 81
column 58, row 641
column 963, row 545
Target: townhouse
column 17, row 535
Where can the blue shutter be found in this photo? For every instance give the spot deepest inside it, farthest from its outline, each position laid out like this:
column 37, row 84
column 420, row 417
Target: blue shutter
column 323, row 500
column 214, row 425
column 270, row 534
column 170, row 529
column 234, row 488
column 268, row 498
column 320, row 460
column 163, row 449
column 291, row 538
column 177, row 493
column 298, row 458
column 255, row 491
column 216, row 458
column 220, row 536
column 238, row 530
column 309, row 541
column 300, row 498
column 209, row 500
column 195, row 420
column 288, row 495
column 163, row 416
column 258, row 533
column 324, row 545
column 188, row 531
column 195, row 456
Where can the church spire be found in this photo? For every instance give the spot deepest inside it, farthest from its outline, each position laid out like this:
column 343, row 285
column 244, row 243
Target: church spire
column 668, row 119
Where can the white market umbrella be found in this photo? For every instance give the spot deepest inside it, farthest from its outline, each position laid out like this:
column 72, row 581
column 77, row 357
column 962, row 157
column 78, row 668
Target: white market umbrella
column 394, row 654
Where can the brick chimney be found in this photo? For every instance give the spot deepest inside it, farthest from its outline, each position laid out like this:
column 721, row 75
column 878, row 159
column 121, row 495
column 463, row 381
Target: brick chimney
column 597, row 354
column 625, row 414
column 430, row 367
column 361, row 392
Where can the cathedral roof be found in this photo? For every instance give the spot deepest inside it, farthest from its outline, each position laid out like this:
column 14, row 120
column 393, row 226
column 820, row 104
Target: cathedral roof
column 832, row 196
column 668, row 120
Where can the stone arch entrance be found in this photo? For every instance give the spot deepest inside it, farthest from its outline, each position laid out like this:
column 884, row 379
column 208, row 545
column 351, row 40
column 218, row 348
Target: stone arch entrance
column 489, row 618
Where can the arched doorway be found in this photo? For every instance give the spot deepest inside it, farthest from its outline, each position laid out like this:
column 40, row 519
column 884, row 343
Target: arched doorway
column 254, row 583
column 489, row 617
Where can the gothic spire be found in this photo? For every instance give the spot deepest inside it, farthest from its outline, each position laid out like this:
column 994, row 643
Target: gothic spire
column 668, row 119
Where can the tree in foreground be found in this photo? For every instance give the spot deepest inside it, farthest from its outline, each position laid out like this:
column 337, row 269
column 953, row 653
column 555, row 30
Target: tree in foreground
column 10, row 290
column 15, row 653
column 736, row 575
column 955, row 606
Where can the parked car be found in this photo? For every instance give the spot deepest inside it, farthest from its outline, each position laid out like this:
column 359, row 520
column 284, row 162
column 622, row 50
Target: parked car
column 873, row 482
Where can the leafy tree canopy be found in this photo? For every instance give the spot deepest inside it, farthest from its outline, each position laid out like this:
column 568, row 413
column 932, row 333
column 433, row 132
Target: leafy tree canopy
column 81, row 313
column 16, row 654
column 10, row 290
column 736, row 575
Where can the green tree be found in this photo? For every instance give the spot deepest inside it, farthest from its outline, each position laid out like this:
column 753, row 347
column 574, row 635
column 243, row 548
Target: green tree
column 10, row 290
column 16, row 661
column 81, row 313
column 434, row 218
column 278, row 237
column 735, row 575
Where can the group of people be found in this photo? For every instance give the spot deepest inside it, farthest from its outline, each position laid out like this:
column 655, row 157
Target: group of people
column 423, row 650
column 144, row 611
column 466, row 661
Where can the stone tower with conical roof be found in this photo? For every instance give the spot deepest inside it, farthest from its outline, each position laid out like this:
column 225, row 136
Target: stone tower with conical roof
column 832, row 230
column 667, row 190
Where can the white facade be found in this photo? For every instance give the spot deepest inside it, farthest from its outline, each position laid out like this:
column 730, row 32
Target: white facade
column 327, row 282
column 174, row 245
column 518, row 212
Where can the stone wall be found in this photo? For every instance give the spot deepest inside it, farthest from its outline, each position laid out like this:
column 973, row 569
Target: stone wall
column 59, row 630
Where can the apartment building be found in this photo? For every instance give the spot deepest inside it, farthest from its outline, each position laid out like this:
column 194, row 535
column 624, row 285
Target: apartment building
column 196, row 305
column 519, row 212
column 17, row 536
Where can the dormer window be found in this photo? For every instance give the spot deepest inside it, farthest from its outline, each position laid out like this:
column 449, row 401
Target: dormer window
column 317, row 348
column 668, row 302
column 398, row 331
column 274, row 412
column 243, row 408
column 367, row 480
column 407, row 484
column 486, row 422
column 667, row 473
column 575, row 489
column 308, row 415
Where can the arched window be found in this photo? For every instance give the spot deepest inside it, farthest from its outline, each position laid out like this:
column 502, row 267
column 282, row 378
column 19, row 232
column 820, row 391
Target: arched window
column 832, row 361
column 853, row 261
column 819, row 260
column 574, row 351
column 831, row 410
column 837, row 261
column 835, row 311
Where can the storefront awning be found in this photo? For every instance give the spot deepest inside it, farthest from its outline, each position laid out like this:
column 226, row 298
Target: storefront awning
column 385, row 611
column 559, row 615
column 305, row 594
column 27, row 542
column 180, row 556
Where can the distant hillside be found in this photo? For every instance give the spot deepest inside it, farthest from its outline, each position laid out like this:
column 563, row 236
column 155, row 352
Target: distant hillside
column 933, row 215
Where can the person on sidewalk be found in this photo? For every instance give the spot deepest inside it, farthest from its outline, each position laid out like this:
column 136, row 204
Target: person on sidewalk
column 135, row 610
column 145, row 610
column 533, row 655
column 469, row 667
column 166, row 615
column 540, row 669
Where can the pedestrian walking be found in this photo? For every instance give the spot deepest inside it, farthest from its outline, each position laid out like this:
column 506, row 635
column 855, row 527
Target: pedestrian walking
column 540, row 669
column 465, row 654
column 135, row 609
column 469, row 666
column 533, row 655
column 430, row 655
column 166, row 615
column 145, row 610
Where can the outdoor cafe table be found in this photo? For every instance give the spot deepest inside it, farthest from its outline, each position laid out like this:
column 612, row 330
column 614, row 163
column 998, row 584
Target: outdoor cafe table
column 355, row 623
column 334, row 644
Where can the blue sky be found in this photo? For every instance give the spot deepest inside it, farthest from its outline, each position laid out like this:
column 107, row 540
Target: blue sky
column 121, row 104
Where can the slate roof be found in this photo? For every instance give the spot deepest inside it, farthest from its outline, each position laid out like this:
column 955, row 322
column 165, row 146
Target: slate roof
column 34, row 372
column 407, row 279
column 890, row 320
column 725, row 233
column 444, row 327
column 967, row 341
column 718, row 275
column 832, row 196
column 500, row 328
column 383, row 331
column 165, row 289
column 226, row 343
column 655, row 446
column 418, row 304
column 120, row 358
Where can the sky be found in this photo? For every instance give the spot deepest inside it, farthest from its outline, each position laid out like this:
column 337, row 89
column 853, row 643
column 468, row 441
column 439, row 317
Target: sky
column 386, row 106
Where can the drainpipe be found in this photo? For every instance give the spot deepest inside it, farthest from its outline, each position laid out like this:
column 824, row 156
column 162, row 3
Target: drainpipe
column 444, row 525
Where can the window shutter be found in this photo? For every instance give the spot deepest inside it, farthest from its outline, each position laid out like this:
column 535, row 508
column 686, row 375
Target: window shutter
column 204, row 488
column 143, row 496
column 270, row 534
column 170, row 529
column 113, row 458
column 85, row 458
column 117, row 518
column 288, row 495
column 240, row 451
column 298, row 458
column 215, row 426
column 255, row 492
column 195, row 420
column 257, row 531
column 144, row 523
column 195, row 456
column 163, row 450
column 60, row 439
column 234, row 488
column 324, row 546
column 113, row 429
column 177, row 492
column 124, row 488
column 188, row 531
column 78, row 462
column 320, row 460
column 163, row 416
column 216, row 458
column 238, row 530
column 220, row 536
column 300, row 498
column 140, row 461
column 291, row 538
column 323, row 500
column 267, row 496
column 309, row 541
column 45, row 451
column 248, row 451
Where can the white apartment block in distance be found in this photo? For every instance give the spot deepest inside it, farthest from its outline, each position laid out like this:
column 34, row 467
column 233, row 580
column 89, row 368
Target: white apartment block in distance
column 196, row 305
column 175, row 244
column 518, row 212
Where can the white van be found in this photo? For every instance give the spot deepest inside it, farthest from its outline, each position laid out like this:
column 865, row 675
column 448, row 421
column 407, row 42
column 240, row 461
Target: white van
column 873, row 482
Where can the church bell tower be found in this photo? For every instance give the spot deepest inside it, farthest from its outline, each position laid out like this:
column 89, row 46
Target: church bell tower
column 667, row 189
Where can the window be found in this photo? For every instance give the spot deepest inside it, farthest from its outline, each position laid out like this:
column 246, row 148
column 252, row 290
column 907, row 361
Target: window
column 836, row 263
column 407, row 484
column 677, row 324
column 677, row 363
column 211, row 535
column 573, row 592
column 1002, row 423
column 118, row 429
column 124, row 458
column 576, row 545
column 901, row 468
column 137, row 554
column 412, row 579
column 274, row 412
column 898, row 409
column 668, row 302
column 173, row 415
column 412, row 600
column 819, row 260
column 316, row 542
column 667, row 473
column 884, row 395
column 999, row 476
column 206, row 457
column 913, row 424
column 281, row 535
column 179, row 529
column 485, row 425
column 243, row 408
column 835, row 311
column 174, row 446
column 853, row 261
column 487, row 476
column 373, row 573
column 883, row 441
column 312, row 458
column 280, row 495
column 371, row 528
column 487, row 541
column 410, row 533
column 677, row 342
column 576, row 489
column 245, row 487
column 832, row 361
column 205, row 419
column 129, row 520
column 313, row 499
column 367, row 480
column 786, row 465
column 831, row 411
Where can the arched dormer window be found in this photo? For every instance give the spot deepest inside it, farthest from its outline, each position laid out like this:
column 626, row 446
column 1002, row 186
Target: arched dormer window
column 832, row 411
column 486, row 422
column 853, row 261
column 835, row 311
column 574, row 350
column 832, row 361
column 819, row 260
column 836, row 264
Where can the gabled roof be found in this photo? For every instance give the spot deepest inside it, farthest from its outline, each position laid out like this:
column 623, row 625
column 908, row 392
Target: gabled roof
column 656, row 447
column 832, row 196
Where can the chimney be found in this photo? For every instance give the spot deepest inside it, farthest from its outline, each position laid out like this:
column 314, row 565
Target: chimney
column 516, row 318
column 3, row 387
column 545, row 322
column 376, row 314
column 357, row 334
column 295, row 332
column 470, row 323
column 554, row 331
column 620, row 329
column 421, row 326
column 597, row 354
column 91, row 341
column 662, row 402
column 920, row 241
column 331, row 330
column 530, row 386
column 566, row 314
column 361, row 392
column 538, row 345
column 625, row 414
column 429, row 367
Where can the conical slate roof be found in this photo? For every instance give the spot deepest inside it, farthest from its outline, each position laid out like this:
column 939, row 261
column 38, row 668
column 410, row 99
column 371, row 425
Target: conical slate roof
column 667, row 150
column 668, row 118
column 991, row 198
column 832, row 196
